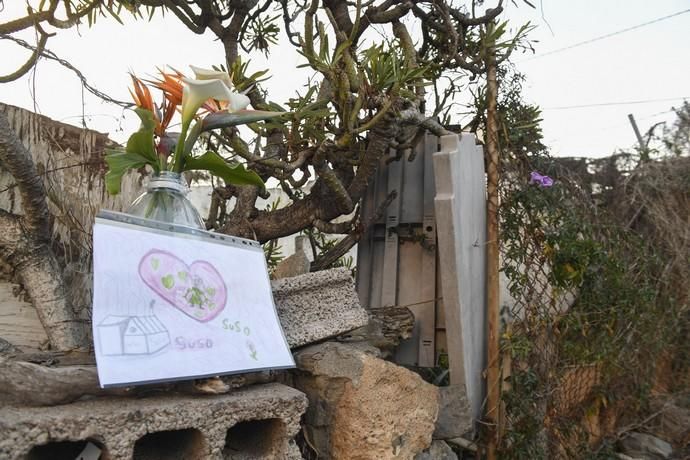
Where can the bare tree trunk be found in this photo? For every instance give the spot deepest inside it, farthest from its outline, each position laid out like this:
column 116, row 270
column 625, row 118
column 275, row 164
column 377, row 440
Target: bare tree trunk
column 492, row 258
column 25, row 245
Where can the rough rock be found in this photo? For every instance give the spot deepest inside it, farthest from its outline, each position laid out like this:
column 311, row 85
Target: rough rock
column 387, row 327
column 454, row 414
column 295, row 264
column 253, row 423
column 673, row 423
column 319, row 305
column 6, row 347
column 645, row 446
column 439, row 450
column 362, row 407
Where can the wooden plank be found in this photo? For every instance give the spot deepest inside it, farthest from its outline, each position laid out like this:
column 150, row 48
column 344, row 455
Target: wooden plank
column 409, row 294
column 19, row 323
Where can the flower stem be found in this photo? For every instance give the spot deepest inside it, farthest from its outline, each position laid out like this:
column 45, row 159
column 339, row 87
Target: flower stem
column 178, row 155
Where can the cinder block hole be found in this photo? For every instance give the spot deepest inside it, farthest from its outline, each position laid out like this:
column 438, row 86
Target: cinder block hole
column 255, row 439
column 67, row 450
column 187, row 444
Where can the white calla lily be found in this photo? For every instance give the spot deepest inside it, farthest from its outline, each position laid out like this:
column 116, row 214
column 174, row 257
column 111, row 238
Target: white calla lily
column 210, row 74
column 196, row 92
column 237, row 101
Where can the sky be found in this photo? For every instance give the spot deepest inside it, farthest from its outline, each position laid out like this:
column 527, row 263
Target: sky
column 649, row 63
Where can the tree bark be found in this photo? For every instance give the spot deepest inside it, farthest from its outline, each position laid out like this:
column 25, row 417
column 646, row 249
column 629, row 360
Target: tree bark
column 492, row 256
column 25, row 245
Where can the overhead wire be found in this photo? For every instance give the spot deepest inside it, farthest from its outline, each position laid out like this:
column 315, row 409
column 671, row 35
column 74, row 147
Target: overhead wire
column 609, row 35
column 603, row 104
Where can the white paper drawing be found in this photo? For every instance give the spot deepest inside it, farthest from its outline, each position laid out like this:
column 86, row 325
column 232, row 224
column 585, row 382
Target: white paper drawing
column 213, row 313
column 132, row 335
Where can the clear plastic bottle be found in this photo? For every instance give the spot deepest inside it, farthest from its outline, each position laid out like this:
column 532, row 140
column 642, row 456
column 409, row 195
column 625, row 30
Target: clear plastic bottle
column 165, row 200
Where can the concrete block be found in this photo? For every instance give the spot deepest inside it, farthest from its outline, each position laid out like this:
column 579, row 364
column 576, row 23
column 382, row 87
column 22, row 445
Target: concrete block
column 461, row 227
column 315, row 306
column 258, row 422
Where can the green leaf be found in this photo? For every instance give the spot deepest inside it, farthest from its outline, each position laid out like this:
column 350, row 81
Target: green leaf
column 141, row 142
column 224, row 119
column 119, row 163
column 230, row 173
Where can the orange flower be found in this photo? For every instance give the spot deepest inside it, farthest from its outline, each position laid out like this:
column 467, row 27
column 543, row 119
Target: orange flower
column 171, row 85
column 141, row 95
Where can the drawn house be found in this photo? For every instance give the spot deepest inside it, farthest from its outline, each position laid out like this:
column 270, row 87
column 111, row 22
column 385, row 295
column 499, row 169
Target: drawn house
column 132, row 335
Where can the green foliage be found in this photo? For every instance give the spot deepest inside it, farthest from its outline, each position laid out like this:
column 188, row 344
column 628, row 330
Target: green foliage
column 141, row 142
column 138, row 153
column 559, row 245
column 272, row 250
column 223, row 119
column 262, row 32
column 385, row 70
column 241, row 79
column 321, row 244
column 218, row 166
column 119, row 163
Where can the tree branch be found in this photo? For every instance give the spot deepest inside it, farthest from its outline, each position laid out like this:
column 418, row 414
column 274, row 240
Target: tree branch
column 25, row 245
column 17, row 161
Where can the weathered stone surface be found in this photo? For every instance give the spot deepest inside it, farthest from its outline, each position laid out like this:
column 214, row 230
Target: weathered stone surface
column 294, row 265
column 7, row 347
column 454, row 414
column 673, row 423
column 387, row 327
column 253, row 423
column 645, row 446
column 362, row 407
column 319, row 305
column 439, row 450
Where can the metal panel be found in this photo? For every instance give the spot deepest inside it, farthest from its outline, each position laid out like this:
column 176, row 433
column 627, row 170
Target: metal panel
column 412, row 209
column 390, row 258
column 397, row 257
column 365, row 256
column 427, row 333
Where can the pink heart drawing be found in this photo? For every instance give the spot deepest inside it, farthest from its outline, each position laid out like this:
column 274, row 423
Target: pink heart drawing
column 197, row 290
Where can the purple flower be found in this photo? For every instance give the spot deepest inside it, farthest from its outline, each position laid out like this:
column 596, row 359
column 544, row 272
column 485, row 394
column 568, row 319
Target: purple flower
column 540, row 179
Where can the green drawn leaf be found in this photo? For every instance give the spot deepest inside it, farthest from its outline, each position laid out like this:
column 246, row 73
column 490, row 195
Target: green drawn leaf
column 155, row 263
column 182, row 275
column 168, row 281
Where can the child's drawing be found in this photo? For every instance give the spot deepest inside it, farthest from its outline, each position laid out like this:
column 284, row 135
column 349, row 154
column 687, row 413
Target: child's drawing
column 132, row 335
column 197, row 290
